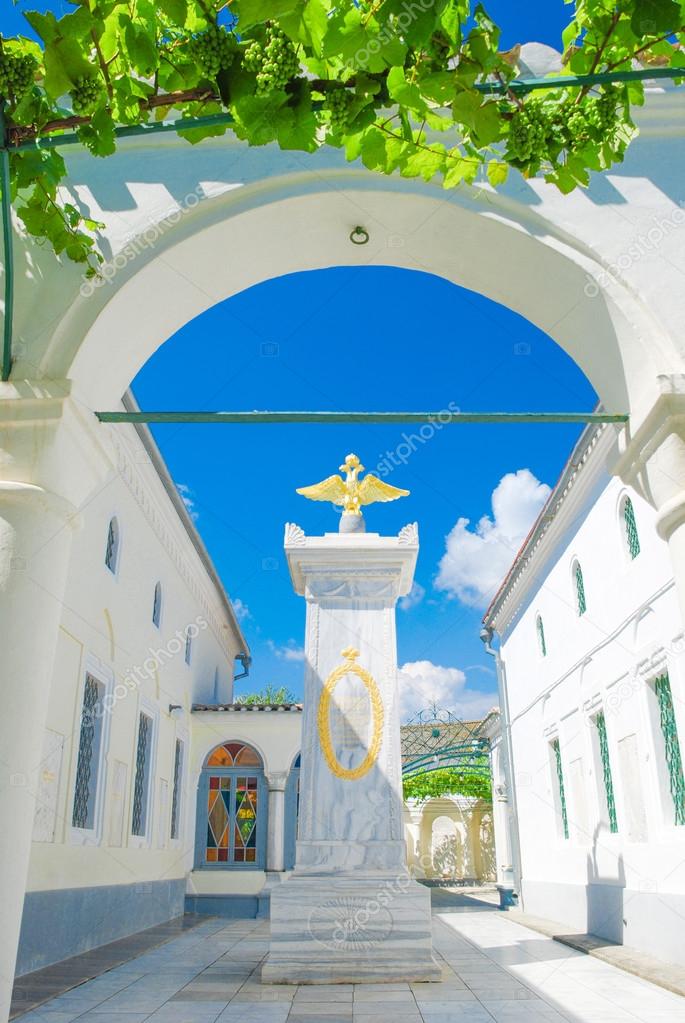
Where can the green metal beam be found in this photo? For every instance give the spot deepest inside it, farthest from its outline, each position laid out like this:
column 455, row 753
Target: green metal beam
column 518, row 85
column 8, row 253
column 582, row 81
column 378, row 418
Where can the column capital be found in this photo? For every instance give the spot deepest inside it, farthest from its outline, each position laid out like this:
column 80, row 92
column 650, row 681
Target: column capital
column 18, row 492
column 652, row 459
column 277, row 781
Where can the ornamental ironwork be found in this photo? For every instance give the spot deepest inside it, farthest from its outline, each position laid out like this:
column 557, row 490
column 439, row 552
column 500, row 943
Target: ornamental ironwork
column 434, row 739
column 86, row 778
column 560, row 786
column 632, row 538
column 601, row 725
column 581, row 602
column 175, row 796
column 541, row 635
column 674, row 762
column 140, row 784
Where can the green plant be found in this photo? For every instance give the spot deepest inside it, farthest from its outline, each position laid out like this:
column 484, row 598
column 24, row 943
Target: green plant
column 447, row 782
column 269, row 694
column 419, row 89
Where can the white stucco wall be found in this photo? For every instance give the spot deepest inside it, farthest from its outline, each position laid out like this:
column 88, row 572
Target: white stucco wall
column 628, row 886
column 106, row 628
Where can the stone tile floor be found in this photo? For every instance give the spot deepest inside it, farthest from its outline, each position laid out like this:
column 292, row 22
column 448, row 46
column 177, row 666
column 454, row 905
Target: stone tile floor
column 493, row 970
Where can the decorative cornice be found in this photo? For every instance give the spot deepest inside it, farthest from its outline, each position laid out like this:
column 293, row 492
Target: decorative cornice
column 247, row 708
column 294, row 535
column 409, row 534
column 652, row 666
column 510, row 588
column 141, row 493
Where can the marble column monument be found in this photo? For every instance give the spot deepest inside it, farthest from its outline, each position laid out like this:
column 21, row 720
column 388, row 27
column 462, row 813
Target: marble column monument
column 350, row 912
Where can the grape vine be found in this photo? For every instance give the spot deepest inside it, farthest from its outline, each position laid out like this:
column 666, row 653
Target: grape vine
column 423, row 90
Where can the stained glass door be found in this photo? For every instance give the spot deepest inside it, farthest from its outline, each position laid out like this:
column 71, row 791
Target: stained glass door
column 231, row 819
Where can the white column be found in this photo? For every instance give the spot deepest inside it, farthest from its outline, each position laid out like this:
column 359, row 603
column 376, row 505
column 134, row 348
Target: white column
column 35, row 538
column 275, row 849
column 350, row 891
column 652, row 461
column 46, row 469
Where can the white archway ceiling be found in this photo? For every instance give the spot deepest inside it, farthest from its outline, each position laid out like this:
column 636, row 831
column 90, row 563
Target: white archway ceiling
column 269, row 213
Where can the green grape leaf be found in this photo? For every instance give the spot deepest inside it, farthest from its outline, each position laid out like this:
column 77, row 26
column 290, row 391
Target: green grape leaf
column 422, row 162
column 405, row 93
column 652, row 17
column 255, row 12
column 175, row 10
column 498, row 172
column 64, row 63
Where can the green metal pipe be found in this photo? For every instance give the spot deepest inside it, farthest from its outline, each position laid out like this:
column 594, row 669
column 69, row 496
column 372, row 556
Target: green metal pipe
column 520, row 85
column 378, row 418
column 582, row 81
column 8, row 253
column 130, row 130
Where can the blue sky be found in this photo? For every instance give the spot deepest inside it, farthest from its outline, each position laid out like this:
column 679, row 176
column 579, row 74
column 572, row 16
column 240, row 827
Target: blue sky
column 367, row 338
column 540, row 21
column 363, row 338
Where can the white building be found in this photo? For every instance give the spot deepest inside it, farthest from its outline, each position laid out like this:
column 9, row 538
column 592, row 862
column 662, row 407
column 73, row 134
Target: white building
column 145, row 630
column 592, row 677
column 155, row 793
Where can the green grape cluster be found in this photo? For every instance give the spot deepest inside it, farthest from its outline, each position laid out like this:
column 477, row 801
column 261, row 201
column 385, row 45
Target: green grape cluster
column 594, row 119
column 338, row 104
column 439, row 49
column 17, row 72
column 275, row 62
column 212, row 50
column 85, row 94
column 529, row 133
column 602, row 112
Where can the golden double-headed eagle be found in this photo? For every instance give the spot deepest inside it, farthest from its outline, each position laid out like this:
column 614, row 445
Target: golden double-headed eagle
column 352, row 492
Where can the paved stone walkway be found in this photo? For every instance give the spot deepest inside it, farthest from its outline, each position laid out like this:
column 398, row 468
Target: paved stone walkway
column 493, row 969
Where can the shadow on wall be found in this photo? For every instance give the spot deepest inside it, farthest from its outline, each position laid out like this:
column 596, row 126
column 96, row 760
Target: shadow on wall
column 605, row 895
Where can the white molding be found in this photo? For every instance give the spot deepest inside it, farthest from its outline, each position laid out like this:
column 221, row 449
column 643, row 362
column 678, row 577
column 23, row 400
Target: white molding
column 157, row 520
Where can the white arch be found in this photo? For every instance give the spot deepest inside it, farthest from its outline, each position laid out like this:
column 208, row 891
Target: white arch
column 522, row 255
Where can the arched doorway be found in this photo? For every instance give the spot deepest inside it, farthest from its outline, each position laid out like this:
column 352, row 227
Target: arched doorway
column 231, row 809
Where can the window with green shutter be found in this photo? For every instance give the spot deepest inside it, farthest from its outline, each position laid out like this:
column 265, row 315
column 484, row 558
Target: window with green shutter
column 630, row 526
column 674, row 762
column 561, row 793
column 540, row 628
column 581, row 603
column 600, row 724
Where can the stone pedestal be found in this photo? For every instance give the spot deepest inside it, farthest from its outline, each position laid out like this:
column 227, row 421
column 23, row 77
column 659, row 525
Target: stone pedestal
column 350, row 912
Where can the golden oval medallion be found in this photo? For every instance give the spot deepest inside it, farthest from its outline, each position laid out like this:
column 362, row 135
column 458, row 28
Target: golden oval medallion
column 350, row 667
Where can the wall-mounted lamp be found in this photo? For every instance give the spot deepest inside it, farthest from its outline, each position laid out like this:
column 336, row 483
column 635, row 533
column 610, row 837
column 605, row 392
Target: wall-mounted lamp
column 173, row 707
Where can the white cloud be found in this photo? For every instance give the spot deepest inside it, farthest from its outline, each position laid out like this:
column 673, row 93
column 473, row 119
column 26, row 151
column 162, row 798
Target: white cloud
column 476, row 560
column 242, row 611
column 188, row 500
column 423, row 684
column 289, row 651
column 414, row 597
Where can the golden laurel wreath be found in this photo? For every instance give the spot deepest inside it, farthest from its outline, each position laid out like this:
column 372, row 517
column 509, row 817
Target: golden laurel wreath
column 323, row 717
